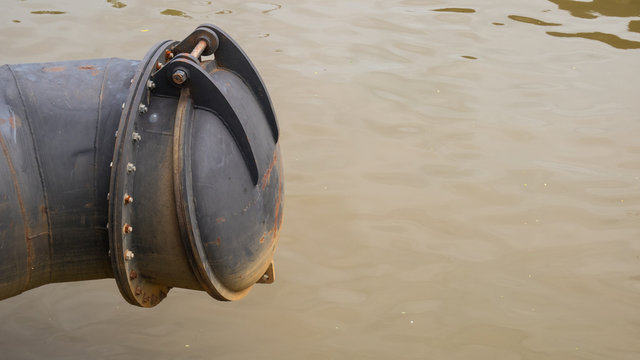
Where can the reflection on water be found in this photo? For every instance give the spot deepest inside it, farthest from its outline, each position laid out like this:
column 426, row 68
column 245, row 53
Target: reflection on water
column 595, row 8
column 457, row 10
column 587, row 10
column 609, row 39
column 48, row 12
column 591, row 9
column 117, row 4
column 276, row 7
column 533, row 21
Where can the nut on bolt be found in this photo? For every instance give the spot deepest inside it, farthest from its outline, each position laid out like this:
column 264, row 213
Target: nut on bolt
column 179, row 76
column 128, row 199
column 128, row 255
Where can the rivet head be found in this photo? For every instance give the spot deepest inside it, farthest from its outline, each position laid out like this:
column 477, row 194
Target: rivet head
column 127, row 228
column 128, row 199
column 136, row 137
column 142, row 108
column 131, row 168
column 158, row 65
column 128, row 255
column 138, row 291
column 151, row 85
column 133, row 275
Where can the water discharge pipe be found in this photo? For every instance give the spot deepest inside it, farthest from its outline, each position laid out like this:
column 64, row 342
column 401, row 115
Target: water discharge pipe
column 160, row 173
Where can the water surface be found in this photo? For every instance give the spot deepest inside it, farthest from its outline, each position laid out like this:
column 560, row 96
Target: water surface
column 460, row 184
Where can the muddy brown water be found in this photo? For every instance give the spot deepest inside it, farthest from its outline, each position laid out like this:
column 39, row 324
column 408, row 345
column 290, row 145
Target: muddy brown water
column 462, row 182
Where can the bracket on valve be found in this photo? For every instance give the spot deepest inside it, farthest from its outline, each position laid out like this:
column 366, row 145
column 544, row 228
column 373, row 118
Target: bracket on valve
column 185, row 71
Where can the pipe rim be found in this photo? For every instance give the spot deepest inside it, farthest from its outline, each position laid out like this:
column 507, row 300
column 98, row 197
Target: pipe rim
column 131, row 283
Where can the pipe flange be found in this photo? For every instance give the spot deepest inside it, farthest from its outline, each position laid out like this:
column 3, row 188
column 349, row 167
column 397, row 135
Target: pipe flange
column 132, row 283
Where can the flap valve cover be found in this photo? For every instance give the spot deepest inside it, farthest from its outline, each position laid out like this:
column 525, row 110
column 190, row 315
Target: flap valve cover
column 221, row 141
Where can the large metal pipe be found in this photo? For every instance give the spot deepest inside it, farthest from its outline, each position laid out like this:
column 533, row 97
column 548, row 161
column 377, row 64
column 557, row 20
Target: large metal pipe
column 162, row 173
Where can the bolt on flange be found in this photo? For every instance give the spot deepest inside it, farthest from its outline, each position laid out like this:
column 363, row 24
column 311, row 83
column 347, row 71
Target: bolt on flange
column 128, row 255
column 179, row 77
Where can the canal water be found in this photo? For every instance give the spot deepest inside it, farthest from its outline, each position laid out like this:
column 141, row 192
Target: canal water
column 462, row 182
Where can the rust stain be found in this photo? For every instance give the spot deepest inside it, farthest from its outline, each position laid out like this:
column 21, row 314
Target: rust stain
column 217, row 241
column 220, row 220
column 43, row 209
column 266, row 179
column 53, row 69
column 267, row 174
column 150, row 298
column 262, row 238
column 27, row 234
column 277, row 216
column 93, row 69
column 12, row 122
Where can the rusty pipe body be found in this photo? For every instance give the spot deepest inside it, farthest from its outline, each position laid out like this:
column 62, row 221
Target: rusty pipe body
column 110, row 168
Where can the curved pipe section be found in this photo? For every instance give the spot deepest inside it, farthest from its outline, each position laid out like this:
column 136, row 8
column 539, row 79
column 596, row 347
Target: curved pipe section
column 57, row 122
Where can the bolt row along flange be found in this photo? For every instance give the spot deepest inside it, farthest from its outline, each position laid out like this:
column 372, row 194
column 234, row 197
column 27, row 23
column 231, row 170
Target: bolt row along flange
column 197, row 147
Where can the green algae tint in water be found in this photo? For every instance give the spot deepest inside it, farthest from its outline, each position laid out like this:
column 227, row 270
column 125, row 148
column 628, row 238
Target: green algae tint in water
column 48, row 12
column 174, row 12
column 459, row 184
